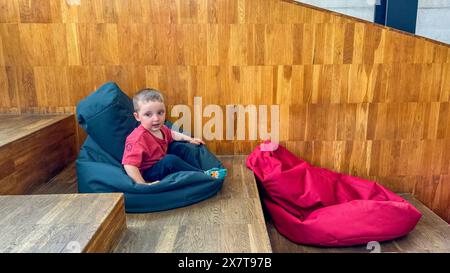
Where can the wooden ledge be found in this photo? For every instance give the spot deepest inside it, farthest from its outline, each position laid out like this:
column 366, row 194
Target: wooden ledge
column 61, row 222
column 33, row 149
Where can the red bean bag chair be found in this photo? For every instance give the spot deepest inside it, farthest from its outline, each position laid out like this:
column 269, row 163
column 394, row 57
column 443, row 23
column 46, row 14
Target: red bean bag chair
column 315, row 206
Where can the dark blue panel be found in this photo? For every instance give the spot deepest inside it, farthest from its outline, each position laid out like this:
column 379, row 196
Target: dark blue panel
column 402, row 14
column 380, row 12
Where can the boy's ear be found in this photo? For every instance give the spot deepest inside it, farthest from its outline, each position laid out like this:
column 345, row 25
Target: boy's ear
column 136, row 116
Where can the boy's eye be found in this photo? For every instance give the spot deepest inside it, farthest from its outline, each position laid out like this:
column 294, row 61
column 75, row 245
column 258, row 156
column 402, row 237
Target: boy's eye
column 160, row 113
column 148, row 114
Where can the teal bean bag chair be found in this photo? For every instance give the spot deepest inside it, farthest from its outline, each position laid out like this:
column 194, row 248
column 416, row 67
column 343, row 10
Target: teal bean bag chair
column 107, row 117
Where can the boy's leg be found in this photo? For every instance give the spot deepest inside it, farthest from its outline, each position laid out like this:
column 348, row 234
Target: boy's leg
column 168, row 164
column 186, row 151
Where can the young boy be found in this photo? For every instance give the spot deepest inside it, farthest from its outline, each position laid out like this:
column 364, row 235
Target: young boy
column 145, row 158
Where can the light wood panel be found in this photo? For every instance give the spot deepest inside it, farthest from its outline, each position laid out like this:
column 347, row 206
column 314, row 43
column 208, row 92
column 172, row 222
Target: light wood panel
column 33, row 149
column 61, row 223
column 354, row 96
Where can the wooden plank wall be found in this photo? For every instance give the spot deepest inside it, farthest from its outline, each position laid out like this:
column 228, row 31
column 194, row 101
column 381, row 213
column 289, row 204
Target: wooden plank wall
column 354, row 97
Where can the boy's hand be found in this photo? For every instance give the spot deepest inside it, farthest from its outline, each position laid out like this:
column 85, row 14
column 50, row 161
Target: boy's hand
column 196, row 141
column 182, row 137
column 148, row 183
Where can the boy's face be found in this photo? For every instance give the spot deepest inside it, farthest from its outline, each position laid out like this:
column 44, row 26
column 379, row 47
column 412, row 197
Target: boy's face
column 151, row 114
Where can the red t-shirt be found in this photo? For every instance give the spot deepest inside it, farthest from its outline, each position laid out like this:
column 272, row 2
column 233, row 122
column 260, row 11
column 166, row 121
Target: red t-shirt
column 143, row 149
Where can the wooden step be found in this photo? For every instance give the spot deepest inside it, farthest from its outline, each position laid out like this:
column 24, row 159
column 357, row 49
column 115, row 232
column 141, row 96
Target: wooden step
column 231, row 221
column 61, row 222
column 33, row 149
column 432, row 234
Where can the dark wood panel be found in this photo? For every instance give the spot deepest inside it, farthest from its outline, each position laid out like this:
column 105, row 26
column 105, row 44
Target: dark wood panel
column 33, row 149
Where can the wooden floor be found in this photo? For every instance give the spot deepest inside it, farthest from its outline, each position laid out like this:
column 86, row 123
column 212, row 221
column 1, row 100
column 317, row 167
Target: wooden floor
column 64, row 183
column 58, row 223
column 232, row 222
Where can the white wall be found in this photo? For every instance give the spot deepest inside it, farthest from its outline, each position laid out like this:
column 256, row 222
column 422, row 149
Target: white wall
column 433, row 20
column 363, row 9
column 433, row 16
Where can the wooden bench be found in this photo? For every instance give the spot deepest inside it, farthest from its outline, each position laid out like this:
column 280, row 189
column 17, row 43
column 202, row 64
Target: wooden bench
column 33, row 149
column 61, row 222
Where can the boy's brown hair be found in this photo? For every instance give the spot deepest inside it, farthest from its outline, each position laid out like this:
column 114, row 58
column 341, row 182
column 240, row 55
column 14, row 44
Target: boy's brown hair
column 146, row 95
